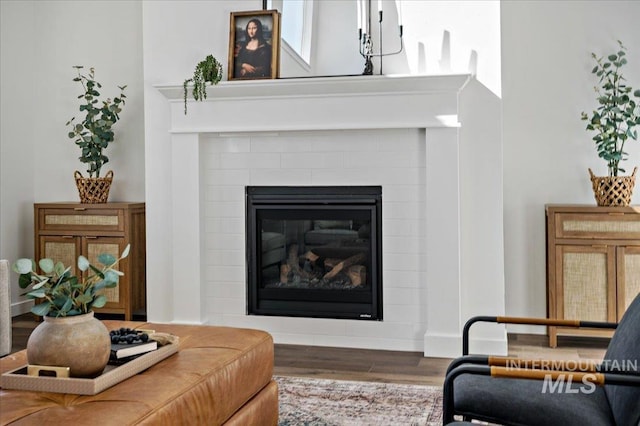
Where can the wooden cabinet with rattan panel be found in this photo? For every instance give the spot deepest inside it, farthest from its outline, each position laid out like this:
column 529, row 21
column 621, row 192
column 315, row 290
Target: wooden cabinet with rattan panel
column 593, row 264
column 63, row 231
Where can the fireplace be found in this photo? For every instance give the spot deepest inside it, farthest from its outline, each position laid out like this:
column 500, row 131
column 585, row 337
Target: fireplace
column 433, row 143
column 314, row 251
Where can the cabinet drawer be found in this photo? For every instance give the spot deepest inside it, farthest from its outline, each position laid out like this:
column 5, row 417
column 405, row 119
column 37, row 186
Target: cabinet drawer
column 620, row 226
column 81, row 219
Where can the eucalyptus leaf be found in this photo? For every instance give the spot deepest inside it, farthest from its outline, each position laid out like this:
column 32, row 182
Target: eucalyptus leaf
column 111, row 276
column 125, row 252
column 106, row 259
column 41, row 309
column 46, row 265
column 68, row 304
column 83, row 263
column 60, row 301
column 59, row 268
column 99, row 301
column 23, row 266
column 66, row 271
column 84, row 298
column 97, row 271
column 100, row 285
column 40, row 284
column 24, row 280
column 37, row 294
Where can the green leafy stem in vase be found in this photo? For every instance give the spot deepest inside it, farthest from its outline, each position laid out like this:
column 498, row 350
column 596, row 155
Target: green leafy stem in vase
column 617, row 114
column 65, row 294
column 95, row 132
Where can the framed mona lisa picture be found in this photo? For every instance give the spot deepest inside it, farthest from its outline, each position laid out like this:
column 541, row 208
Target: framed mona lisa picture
column 254, row 45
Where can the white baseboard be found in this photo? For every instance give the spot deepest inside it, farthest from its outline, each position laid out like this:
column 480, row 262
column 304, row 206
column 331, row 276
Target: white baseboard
column 450, row 346
column 20, row 308
column 442, row 346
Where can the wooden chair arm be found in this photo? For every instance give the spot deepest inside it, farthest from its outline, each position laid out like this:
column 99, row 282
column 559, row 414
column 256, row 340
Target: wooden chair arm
column 544, row 364
column 528, row 373
column 529, row 321
column 526, row 363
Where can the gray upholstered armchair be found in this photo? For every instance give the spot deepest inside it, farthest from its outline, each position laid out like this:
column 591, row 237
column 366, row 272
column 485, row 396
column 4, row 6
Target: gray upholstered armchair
column 5, row 309
column 512, row 391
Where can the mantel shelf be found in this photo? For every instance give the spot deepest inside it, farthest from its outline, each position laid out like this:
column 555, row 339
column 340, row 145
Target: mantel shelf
column 325, row 86
column 329, row 103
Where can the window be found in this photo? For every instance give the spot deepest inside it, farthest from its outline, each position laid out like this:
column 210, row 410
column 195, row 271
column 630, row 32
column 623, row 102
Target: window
column 296, row 25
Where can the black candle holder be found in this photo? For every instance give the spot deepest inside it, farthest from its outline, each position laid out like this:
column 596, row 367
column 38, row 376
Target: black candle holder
column 366, row 43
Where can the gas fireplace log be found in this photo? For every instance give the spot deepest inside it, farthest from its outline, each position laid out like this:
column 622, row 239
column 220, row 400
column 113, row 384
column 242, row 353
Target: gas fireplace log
column 357, row 274
column 284, row 273
column 311, row 256
column 312, row 263
column 331, row 262
column 294, row 264
column 353, row 260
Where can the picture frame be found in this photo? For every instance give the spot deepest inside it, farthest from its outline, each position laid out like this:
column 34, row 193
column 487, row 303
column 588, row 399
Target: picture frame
column 254, row 45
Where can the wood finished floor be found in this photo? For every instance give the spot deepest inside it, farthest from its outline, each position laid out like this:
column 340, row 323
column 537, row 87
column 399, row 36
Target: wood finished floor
column 382, row 366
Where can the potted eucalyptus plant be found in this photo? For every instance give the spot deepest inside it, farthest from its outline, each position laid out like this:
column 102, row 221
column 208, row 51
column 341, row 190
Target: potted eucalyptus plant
column 93, row 135
column 614, row 122
column 70, row 335
column 207, row 71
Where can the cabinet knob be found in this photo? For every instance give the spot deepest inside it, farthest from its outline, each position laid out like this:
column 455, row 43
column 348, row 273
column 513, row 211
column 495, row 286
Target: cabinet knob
column 80, row 209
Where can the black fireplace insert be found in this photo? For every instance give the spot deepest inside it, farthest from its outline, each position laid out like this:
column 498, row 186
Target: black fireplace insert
column 314, row 251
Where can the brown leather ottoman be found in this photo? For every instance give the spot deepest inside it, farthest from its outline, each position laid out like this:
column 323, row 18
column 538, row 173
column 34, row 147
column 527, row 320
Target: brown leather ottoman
column 220, row 375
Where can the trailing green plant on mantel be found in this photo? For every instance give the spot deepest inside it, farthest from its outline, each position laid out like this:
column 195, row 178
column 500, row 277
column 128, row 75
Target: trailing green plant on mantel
column 95, row 132
column 64, row 294
column 209, row 70
column 617, row 114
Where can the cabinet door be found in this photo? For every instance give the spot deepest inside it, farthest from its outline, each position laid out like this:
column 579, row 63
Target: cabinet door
column 586, row 282
column 628, row 276
column 95, row 246
column 65, row 249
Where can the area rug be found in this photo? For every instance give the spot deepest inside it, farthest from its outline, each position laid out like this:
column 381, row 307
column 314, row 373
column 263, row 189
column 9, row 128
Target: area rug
column 322, row 402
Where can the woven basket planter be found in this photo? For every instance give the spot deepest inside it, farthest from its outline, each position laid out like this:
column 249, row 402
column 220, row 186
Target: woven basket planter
column 93, row 190
column 613, row 190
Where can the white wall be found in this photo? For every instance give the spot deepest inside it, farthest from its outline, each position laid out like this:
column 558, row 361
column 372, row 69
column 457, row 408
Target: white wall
column 41, row 41
column 17, row 142
column 450, row 36
column 547, row 82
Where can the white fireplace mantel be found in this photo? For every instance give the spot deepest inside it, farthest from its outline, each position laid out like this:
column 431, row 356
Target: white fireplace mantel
column 304, row 104
column 460, row 121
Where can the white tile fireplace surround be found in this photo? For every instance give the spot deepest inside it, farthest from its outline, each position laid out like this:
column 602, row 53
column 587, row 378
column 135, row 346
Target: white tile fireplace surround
column 432, row 143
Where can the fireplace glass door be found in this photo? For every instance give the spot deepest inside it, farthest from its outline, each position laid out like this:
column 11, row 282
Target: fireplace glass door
column 314, row 252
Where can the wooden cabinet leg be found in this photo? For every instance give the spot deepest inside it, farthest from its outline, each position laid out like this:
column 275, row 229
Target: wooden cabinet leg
column 553, row 336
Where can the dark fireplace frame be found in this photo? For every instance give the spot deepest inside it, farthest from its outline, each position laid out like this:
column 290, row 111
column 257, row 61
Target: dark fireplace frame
column 366, row 305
